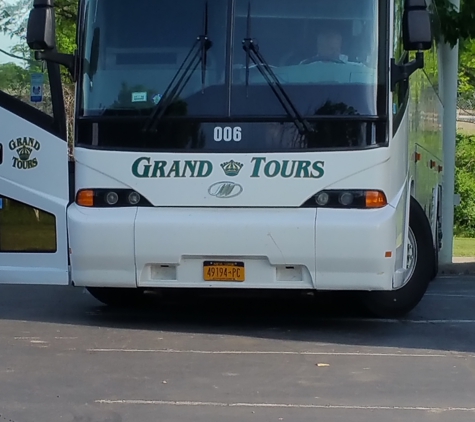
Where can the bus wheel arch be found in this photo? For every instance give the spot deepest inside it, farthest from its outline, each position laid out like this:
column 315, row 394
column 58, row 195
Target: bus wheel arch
column 396, row 303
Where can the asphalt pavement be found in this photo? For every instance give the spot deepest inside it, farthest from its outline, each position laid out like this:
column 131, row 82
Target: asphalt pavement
column 66, row 357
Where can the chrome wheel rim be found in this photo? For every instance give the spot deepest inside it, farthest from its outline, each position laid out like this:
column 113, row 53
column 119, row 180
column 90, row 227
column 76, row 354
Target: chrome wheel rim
column 411, row 256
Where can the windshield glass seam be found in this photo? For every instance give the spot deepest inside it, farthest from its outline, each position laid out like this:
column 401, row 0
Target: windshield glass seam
column 229, row 55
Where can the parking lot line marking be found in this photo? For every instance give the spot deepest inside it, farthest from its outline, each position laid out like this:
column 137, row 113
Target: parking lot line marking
column 271, row 352
column 461, row 295
column 26, row 338
column 286, row 405
column 396, row 321
column 434, row 321
column 402, row 321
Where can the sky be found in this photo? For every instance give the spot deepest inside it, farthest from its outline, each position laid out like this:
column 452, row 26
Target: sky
column 5, row 44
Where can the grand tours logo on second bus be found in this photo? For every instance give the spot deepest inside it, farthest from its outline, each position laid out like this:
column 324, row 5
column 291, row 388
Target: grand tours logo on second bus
column 25, row 148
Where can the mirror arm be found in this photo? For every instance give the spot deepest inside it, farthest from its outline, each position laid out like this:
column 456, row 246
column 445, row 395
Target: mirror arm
column 67, row 60
column 401, row 72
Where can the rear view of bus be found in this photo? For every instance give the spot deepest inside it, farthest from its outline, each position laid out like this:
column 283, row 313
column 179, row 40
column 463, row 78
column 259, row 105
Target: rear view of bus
column 248, row 144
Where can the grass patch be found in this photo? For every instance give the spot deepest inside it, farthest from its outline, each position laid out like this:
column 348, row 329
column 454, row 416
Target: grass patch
column 464, row 246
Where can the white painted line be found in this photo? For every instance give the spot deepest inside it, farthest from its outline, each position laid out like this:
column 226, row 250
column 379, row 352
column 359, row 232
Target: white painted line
column 443, row 321
column 286, row 405
column 458, row 295
column 402, row 321
column 26, row 338
column 397, row 321
column 265, row 352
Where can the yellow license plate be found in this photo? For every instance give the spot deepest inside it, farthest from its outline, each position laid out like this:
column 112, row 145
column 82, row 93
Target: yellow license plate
column 223, row 271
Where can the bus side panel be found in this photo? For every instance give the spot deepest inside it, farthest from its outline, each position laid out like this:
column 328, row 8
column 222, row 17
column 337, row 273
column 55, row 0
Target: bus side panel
column 425, row 131
column 102, row 246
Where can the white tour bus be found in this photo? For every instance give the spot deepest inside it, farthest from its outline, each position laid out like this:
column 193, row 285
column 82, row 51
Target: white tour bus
column 246, row 144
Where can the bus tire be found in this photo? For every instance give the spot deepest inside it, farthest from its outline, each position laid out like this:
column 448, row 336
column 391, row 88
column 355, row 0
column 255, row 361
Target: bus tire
column 117, row 297
column 397, row 303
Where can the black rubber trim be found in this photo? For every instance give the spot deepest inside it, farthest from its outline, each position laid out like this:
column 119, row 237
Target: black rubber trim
column 27, row 112
column 397, row 119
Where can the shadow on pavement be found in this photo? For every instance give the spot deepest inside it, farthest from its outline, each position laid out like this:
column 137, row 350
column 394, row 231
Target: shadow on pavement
column 327, row 318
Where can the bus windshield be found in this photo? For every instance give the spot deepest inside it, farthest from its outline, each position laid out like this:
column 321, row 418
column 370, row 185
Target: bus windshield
column 148, row 58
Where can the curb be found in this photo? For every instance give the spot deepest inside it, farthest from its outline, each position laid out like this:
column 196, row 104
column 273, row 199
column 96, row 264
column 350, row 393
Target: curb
column 459, row 266
column 456, row 269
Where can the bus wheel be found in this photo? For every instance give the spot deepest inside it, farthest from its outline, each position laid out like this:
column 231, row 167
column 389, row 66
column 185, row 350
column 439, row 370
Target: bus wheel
column 420, row 266
column 113, row 296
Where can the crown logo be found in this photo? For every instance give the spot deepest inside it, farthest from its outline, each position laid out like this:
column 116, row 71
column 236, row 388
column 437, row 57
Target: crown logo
column 24, row 153
column 231, row 168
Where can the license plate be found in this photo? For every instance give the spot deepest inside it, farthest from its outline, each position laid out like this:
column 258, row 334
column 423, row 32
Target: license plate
column 223, row 271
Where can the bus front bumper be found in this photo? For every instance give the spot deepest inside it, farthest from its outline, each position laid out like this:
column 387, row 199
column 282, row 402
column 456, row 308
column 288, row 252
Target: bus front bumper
column 324, row 249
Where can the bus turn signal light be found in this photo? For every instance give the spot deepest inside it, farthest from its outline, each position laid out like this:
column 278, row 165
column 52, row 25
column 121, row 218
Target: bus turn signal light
column 375, row 199
column 85, row 198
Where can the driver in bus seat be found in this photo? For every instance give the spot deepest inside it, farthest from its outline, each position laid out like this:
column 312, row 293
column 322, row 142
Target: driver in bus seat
column 329, row 43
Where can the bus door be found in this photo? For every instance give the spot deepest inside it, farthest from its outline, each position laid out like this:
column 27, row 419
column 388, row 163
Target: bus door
column 34, row 195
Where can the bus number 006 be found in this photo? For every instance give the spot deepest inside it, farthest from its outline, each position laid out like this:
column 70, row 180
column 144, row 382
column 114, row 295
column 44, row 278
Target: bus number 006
column 227, row 134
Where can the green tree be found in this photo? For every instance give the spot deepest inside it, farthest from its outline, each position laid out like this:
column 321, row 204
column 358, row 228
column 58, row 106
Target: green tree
column 467, row 75
column 14, row 20
column 13, row 78
column 456, row 25
column 465, row 185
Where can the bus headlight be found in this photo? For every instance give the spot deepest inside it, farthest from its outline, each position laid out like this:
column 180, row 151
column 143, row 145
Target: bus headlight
column 346, row 198
column 112, row 198
column 322, row 198
column 133, row 198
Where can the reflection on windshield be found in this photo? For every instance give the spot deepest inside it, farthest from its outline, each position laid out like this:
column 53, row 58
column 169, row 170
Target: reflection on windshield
column 141, row 49
column 197, row 55
column 319, row 52
column 251, row 47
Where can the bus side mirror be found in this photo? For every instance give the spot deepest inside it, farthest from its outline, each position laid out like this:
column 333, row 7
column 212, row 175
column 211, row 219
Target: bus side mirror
column 41, row 36
column 417, row 27
column 41, row 33
column 417, row 36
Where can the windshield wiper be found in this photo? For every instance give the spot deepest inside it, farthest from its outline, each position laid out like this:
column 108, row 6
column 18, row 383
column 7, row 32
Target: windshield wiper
column 251, row 48
column 197, row 54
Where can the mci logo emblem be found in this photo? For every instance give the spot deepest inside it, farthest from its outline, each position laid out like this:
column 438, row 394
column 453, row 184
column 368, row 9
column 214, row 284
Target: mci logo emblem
column 225, row 190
